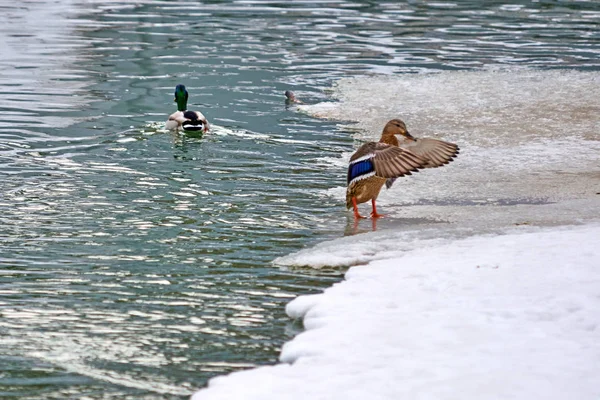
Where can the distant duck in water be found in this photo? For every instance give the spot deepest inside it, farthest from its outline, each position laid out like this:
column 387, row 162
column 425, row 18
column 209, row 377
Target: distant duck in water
column 184, row 119
column 377, row 163
column 290, row 98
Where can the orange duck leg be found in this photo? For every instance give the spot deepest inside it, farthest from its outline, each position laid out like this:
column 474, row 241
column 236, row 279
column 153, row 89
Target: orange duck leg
column 374, row 213
column 356, row 214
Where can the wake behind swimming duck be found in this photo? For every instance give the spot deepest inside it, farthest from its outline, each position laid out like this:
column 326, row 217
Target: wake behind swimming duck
column 377, row 163
column 192, row 121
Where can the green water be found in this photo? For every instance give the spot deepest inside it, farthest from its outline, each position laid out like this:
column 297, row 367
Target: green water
column 136, row 263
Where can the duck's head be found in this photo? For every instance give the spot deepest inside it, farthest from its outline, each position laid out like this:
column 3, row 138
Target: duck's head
column 396, row 127
column 181, row 97
column 290, row 96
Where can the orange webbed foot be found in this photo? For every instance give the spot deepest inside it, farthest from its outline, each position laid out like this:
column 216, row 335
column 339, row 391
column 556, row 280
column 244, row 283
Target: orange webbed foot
column 358, row 216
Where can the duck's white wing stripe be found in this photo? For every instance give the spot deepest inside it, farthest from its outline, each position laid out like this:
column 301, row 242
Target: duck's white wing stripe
column 366, row 157
column 361, row 177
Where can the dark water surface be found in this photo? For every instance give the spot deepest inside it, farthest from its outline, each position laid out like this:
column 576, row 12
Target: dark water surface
column 136, row 263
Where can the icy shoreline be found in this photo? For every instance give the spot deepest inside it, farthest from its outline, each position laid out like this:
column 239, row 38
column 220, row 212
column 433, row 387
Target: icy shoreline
column 493, row 317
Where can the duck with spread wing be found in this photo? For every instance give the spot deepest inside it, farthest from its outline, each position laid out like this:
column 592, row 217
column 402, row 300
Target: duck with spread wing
column 377, row 163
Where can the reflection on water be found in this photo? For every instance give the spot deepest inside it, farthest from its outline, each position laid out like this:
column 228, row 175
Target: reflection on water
column 136, row 263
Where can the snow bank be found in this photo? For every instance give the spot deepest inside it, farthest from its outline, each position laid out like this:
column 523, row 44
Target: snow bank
column 486, row 317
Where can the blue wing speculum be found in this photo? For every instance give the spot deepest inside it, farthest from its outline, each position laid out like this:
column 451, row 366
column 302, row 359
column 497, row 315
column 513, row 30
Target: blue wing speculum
column 360, row 169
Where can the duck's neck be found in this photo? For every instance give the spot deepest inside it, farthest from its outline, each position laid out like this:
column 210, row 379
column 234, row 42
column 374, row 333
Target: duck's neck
column 181, row 98
column 388, row 138
column 181, row 104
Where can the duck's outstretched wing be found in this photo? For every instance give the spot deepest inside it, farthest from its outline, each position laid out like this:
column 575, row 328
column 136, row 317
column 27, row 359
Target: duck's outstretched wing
column 382, row 160
column 436, row 152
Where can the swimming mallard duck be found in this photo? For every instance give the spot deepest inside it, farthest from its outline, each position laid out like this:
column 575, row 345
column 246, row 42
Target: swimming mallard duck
column 290, row 98
column 184, row 119
column 377, row 163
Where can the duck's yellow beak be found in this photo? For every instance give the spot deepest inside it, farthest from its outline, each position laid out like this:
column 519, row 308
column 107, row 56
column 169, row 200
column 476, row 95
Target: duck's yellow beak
column 175, row 99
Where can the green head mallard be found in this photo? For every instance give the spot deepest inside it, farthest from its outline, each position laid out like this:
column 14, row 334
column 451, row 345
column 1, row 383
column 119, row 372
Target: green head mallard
column 183, row 118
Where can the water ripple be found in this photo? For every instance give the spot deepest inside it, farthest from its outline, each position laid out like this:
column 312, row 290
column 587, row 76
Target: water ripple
column 136, row 263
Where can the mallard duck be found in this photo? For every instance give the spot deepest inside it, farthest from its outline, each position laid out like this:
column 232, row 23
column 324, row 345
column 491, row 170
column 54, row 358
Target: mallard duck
column 377, row 163
column 290, row 98
column 183, row 118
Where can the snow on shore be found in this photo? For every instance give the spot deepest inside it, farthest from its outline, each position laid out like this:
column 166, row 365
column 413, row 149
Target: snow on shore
column 486, row 317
